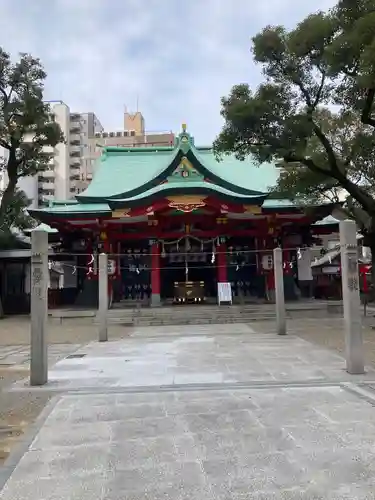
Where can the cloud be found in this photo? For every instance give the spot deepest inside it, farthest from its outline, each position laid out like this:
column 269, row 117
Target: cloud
column 176, row 58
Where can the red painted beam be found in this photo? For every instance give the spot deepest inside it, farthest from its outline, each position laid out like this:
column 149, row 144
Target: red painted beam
column 176, row 235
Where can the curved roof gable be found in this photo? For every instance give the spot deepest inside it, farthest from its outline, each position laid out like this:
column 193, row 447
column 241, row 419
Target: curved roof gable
column 124, row 173
column 194, row 187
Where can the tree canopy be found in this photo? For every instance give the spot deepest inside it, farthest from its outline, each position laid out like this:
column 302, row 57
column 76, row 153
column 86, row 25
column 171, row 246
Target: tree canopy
column 314, row 113
column 26, row 127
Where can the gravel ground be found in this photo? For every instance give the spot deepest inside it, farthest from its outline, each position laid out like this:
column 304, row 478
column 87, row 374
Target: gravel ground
column 19, row 409
column 16, row 331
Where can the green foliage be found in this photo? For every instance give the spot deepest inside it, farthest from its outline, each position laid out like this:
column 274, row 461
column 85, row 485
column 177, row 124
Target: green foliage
column 314, row 111
column 16, row 215
column 26, row 127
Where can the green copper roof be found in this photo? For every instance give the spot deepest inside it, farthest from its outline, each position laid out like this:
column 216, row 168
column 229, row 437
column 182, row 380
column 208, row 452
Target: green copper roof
column 190, row 187
column 124, row 173
column 121, row 171
column 246, row 174
column 71, row 209
column 327, row 221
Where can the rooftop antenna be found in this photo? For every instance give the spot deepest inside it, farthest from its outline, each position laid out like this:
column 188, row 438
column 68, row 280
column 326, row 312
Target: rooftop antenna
column 137, row 102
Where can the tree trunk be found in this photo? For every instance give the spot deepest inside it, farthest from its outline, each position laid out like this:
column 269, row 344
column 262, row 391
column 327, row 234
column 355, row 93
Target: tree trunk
column 6, row 201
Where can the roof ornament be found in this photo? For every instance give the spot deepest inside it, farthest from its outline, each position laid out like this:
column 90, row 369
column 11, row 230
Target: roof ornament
column 184, row 127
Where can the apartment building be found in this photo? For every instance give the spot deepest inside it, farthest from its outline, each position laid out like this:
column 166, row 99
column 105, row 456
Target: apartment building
column 134, row 134
column 63, row 180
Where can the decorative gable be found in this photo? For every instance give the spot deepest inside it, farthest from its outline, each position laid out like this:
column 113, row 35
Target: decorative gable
column 185, row 171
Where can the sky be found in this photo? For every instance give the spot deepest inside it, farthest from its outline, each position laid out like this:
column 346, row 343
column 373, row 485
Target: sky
column 175, row 58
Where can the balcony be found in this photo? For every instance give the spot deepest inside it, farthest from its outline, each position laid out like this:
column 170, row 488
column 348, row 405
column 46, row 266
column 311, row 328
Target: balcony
column 75, row 165
column 49, row 173
column 75, row 128
column 46, row 194
column 46, row 187
column 75, row 137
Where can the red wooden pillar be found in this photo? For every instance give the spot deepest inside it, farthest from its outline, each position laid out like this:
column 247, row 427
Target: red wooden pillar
column 222, row 275
column 155, row 274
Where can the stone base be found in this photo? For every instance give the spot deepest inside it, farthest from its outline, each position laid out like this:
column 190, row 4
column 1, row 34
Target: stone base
column 155, row 300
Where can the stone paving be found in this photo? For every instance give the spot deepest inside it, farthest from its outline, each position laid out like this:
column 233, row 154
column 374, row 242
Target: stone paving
column 206, row 413
column 205, row 354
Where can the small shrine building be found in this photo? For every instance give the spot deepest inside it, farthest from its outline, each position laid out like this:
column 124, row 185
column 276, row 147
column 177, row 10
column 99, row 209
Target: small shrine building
column 176, row 221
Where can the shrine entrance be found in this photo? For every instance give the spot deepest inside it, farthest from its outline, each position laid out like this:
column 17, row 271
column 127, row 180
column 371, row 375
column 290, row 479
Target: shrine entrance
column 188, row 271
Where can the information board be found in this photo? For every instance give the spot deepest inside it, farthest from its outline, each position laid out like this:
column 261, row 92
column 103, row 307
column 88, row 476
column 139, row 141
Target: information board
column 224, row 293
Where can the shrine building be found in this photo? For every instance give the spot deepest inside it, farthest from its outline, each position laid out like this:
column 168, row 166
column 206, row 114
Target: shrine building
column 175, row 221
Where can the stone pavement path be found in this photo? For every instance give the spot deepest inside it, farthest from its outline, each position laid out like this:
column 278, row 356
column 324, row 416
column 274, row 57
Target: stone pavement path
column 206, row 412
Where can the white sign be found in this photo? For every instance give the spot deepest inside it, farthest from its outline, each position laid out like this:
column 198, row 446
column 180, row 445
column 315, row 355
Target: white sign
column 224, row 292
column 111, row 267
column 267, row 262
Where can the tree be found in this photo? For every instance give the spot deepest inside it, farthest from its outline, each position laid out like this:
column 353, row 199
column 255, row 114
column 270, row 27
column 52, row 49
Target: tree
column 27, row 126
column 314, row 112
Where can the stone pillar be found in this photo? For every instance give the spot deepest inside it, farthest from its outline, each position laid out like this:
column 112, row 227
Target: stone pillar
column 155, row 275
column 351, row 298
column 222, row 275
column 279, row 291
column 103, row 297
column 39, row 308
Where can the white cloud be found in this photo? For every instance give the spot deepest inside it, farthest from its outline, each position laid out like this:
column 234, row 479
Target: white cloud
column 179, row 58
